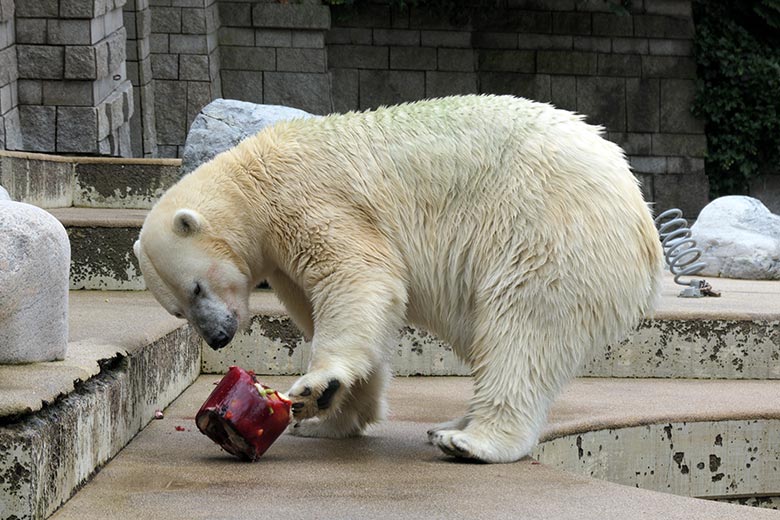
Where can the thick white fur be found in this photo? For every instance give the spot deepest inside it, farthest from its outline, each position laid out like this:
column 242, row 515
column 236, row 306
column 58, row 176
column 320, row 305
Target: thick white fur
column 511, row 229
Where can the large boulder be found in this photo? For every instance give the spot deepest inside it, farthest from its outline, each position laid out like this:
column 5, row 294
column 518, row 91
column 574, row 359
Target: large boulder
column 740, row 238
column 34, row 267
column 224, row 123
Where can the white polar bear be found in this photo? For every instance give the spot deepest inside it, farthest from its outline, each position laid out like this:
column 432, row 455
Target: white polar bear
column 509, row 228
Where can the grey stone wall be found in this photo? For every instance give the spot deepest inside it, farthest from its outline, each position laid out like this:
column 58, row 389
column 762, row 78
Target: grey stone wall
column 74, row 96
column 127, row 77
column 185, row 67
column 635, row 75
column 10, row 136
column 275, row 54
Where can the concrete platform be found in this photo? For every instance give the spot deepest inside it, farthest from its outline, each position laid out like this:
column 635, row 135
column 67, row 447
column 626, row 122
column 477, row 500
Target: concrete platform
column 103, row 327
column 393, row 473
column 62, row 421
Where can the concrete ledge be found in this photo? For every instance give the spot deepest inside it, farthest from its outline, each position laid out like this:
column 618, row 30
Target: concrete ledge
column 88, row 159
column 273, row 345
column 60, row 421
column 707, row 459
column 122, row 185
column 736, row 336
column 47, row 456
column 54, row 181
column 88, row 217
column 693, row 348
column 102, row 327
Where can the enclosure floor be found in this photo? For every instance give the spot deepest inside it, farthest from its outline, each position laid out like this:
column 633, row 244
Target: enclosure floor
column 394, row 473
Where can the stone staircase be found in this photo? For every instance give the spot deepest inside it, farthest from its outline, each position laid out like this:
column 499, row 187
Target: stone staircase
column 61, row 422
column 102, row 203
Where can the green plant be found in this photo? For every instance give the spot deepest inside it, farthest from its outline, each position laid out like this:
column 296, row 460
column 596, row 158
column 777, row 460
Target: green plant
column 738, row 95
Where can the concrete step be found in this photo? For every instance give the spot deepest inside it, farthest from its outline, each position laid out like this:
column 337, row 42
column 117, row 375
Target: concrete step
column 707, row 434
column 102, row 247
column 61, row 421
column 52, row 181
column 736, row 336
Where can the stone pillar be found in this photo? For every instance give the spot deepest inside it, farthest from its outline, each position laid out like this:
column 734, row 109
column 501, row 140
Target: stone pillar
column 74, row 94
column 185, row 66
column 10, row 138
column 34, row 267
column 143, row 131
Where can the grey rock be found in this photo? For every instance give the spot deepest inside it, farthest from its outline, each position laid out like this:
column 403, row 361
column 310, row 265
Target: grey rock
column 224, row 123
column 34, row 268
column 740, row 238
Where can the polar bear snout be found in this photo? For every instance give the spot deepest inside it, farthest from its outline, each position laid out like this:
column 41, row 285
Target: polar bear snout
column 215, row 323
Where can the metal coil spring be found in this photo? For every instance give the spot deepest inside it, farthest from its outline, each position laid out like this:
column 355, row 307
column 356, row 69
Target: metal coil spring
column 680, row 249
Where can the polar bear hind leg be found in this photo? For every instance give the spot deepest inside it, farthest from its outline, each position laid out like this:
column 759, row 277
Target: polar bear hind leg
column 454, row 424
column 519, row 361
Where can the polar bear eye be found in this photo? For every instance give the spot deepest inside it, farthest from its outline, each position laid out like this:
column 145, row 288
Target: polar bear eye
column 178, row 315
column 196, row 291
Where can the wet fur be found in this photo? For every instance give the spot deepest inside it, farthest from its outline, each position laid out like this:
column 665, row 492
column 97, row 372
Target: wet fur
column 512, row 230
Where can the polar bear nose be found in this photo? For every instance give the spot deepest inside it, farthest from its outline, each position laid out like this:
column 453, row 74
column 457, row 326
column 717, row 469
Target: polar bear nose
column 219, row 340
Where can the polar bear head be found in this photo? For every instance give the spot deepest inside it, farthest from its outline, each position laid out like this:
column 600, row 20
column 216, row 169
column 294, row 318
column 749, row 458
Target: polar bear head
column 194, row 273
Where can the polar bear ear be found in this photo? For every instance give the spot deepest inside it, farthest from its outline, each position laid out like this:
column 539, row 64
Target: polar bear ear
column 137, row 249
column 186, row 222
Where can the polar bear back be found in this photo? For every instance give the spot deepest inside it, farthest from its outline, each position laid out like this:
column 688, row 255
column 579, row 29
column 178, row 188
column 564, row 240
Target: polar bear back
column 493, row 206
column 487, row 197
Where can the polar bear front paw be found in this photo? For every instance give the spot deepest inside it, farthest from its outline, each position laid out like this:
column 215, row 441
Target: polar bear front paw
column 313, row 394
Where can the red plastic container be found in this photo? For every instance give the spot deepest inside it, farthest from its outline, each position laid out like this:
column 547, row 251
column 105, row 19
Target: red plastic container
column 243, row 416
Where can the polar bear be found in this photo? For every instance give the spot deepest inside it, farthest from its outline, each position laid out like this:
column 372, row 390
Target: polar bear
column 507, row 227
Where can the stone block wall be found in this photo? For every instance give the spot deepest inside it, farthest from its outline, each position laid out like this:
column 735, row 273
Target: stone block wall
column 635, row 75
column 185, row 67
column 127, row 77
column 143, row 129
column 10, row 136
column 275, row 54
